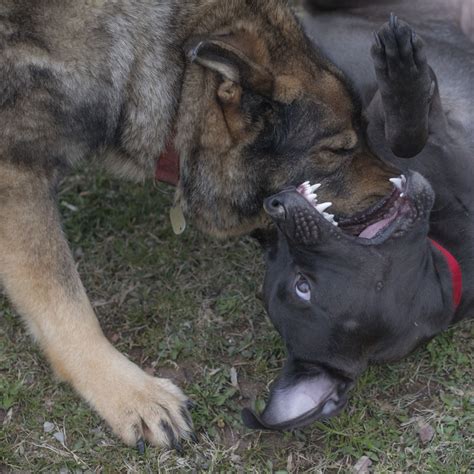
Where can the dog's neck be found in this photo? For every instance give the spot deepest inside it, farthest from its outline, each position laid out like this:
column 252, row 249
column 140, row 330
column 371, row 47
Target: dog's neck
column 451, row 229
column 452, row 218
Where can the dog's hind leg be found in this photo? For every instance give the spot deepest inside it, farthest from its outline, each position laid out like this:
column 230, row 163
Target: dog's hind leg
column 40, row 277
column 407, row 87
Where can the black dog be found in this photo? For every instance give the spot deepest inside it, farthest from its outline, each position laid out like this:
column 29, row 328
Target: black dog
column 345, row 294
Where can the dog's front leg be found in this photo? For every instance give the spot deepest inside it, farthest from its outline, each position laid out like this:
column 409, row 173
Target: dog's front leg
column 407, row 88
column 39, row 275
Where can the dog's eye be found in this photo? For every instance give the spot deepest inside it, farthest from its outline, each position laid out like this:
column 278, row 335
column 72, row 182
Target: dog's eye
column 303, row 288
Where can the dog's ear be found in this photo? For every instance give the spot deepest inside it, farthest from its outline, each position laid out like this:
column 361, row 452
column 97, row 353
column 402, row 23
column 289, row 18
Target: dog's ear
column 240, row 58
column 297, row 399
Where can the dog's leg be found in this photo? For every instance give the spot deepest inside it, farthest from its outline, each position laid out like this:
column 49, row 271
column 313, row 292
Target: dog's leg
column 407, row 87
column 40, row 277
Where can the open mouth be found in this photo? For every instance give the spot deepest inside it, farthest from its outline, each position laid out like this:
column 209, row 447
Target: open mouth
column 394, row 213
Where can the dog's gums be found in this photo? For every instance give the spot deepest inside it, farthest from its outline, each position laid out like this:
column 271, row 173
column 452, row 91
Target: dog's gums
column 374, row 222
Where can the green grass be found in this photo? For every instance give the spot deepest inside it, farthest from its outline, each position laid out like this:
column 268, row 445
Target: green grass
column 188, row 308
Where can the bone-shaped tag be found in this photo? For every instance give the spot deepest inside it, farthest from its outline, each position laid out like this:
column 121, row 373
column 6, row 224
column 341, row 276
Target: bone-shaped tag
column 178, row 221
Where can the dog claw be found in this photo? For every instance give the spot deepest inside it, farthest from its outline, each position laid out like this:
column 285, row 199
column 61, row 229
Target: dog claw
column 377, row 40
column 393, row 21
column 178, row 448
column 141, row 447
column 193, row 53
column 190, row 405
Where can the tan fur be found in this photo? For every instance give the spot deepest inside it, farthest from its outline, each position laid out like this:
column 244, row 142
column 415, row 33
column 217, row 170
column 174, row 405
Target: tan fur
column 40, row 277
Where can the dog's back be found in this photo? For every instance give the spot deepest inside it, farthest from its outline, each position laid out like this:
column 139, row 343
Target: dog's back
column 65, row 70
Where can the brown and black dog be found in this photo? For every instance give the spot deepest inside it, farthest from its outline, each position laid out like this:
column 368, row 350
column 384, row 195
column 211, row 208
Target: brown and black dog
column 251, row 106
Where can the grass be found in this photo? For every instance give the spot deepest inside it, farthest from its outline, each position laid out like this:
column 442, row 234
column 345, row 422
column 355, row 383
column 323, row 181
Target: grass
column 188, row 308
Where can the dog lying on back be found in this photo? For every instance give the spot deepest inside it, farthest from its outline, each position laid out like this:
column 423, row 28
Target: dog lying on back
column 344, row 293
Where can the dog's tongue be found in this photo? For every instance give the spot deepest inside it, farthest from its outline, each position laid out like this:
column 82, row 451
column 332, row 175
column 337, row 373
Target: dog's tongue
column 373, row 229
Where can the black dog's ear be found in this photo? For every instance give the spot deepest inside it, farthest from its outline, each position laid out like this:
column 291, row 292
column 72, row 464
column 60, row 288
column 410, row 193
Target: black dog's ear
column 267, row 238
column 298, row 399
column 238, row 57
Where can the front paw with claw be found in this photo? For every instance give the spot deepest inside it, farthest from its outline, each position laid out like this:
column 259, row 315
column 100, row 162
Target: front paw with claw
column 406, row 84
column 139, row 408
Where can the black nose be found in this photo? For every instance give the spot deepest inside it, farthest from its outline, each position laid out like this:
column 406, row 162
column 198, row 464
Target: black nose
column 274, row 207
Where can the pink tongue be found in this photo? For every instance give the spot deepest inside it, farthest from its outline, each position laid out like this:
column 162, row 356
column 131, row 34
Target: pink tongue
column 371, row 231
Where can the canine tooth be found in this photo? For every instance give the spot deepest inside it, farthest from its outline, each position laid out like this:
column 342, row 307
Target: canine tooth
column 303, row 187
column 314, row 187
column 397, row 182
column 330, row 218
column 322, row 207
column 404, row 179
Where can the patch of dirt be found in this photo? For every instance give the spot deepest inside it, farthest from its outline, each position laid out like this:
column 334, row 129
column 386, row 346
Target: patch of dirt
column 186, row 372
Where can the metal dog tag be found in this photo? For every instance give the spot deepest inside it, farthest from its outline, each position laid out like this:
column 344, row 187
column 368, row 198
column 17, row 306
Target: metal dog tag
column 178, row 221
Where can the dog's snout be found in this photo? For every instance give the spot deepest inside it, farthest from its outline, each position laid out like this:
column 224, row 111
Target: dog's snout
column 274, row 207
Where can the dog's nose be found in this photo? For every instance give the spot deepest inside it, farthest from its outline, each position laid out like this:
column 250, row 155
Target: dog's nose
column 274, row 207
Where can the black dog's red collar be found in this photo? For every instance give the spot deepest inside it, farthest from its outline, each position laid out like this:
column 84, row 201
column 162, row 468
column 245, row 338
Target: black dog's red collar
column 456, row 274
column 167, row 166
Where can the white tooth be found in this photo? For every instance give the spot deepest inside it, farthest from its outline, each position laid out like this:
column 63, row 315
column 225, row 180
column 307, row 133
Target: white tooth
column 322, row 207
column 397, row 182
column 330, row 218
column 404, row 180
column 402, row 195
column 311, row 197
column 303, row 189
column 314, row 187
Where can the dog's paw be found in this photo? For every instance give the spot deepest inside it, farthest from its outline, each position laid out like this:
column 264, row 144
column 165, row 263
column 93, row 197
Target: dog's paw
column 399, row 58
column 140, row 408
column 406, row 84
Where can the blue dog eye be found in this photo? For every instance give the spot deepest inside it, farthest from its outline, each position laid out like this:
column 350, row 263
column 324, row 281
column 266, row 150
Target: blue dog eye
column 303, row 288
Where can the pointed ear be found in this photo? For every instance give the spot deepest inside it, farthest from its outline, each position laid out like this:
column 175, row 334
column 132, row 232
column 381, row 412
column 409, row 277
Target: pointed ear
column 240, row 58
column 298, row 399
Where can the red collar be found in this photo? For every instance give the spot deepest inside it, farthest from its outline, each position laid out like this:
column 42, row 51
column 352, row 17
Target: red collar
column 456, row 274
column 167, row 166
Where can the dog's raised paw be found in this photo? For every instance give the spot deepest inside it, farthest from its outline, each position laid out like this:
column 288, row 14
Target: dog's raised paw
column 398, row 53
column 406, row 84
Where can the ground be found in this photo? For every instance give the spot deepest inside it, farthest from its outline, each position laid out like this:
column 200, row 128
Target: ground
column 188, row 308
